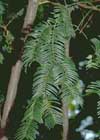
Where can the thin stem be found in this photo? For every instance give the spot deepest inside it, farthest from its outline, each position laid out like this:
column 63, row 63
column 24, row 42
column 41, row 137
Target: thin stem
column 80, row 4
column 64, row 105
column 65, row 121
column 85, row 6
column 14, row 17
column 83, row 19
column 86, row 23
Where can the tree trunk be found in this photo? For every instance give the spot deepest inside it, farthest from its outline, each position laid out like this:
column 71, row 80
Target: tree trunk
column 16, row 70
column 11, row 92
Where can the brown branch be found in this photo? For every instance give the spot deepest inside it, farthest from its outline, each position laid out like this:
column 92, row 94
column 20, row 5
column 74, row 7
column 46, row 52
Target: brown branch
column 65, row 106
column 96, row 0
column 65, row 121
column 31, row 13
column 80, row 4
column 16, row 70
column 11, row 92
column 0, row 113
column 85, row 6
column 81, row 30
column 4, row 138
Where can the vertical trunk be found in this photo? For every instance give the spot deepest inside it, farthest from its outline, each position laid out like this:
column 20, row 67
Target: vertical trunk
column 16, row 70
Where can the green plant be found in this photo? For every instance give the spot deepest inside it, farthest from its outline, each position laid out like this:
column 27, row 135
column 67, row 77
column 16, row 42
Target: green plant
column 56, row 78
column 56, row 81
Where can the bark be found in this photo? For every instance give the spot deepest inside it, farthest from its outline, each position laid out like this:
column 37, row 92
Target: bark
column 31, row 13
column 16, row 70
column 64, row 105
column 0, row 113
column 4, row 138
column 65, row 121
column 11, row 92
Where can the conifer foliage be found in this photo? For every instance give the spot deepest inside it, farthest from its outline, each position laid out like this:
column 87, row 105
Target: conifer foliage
column 56, row 78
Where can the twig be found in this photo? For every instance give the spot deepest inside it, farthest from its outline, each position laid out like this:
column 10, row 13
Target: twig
column 80, row 4
column 96, row 0
column 49, row 2
column 81, row 30
column 82, row 21
column 85, row 6
column 14, row 17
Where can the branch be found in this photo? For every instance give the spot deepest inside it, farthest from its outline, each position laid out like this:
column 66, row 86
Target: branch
column 31, row 13
column 96, row 0
column 16, row 70
column 84, row 26
column 65, row 121
column 64, row 106
column 4, row 138
column 85, row 6
column 11, row 92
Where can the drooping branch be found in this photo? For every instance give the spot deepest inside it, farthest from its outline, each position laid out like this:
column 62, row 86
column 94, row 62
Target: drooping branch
column 17, row 68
